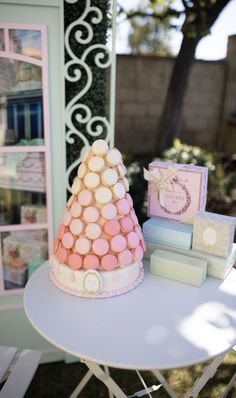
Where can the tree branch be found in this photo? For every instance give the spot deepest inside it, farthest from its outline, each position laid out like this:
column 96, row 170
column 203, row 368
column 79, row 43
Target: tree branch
column 215, row 10
column 170, row 12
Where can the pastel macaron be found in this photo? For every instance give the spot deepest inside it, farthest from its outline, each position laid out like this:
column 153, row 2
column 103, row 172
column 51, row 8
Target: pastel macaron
column 61, row 231
column 126, row 183
column 121, row 169
column 100, row 246
column 68, row 240
column 134, row 217
column 75, row 209
column 91, row 180
column 56, row 246
column 91, row 214
column 67, row 217
column 133, row 240
column 85, row 197
column 113, row 157
column 76, row 226
column 109, row 211
column 82, row 170
column 62, row 255
column 138, row 253
column 125, row 257
column 103, row 195
column 118, row 190
column 93, row 231
column 100, row 147
column 86, row 154
column 118, row 243
column 129, row 198
column 82, row 245
column 112, row 227
column 109, row 177
column 70, row 200
column 126, row 224
column 76, row 185
column 96, row 163
column 91, row 261
column 75, row 261
column 109, row 262
column 123, row 206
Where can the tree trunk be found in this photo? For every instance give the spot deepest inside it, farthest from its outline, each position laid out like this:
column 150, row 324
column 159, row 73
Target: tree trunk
column 169, row 125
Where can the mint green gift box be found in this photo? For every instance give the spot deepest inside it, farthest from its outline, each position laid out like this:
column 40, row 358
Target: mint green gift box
column 168, row 232
column 178, row 267
column 217, row 267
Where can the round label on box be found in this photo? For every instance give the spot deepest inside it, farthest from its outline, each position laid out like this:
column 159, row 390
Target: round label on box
column 209, row 236
column 92, row 282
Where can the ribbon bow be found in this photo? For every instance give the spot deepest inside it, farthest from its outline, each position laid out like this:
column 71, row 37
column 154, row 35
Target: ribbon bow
column 155, row 177
column 159, row 182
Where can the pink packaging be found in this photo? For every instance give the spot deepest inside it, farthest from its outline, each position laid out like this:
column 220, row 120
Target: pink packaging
column 176, row 191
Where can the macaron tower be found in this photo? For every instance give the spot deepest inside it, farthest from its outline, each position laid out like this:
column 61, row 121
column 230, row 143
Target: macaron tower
column 99, row 247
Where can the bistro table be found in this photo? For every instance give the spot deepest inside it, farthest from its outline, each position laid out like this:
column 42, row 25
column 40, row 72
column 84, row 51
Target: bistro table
column 161, row 324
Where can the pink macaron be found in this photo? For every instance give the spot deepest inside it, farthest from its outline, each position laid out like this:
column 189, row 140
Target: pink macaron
column 67, row 217
column 91, row 261
column 133, row 240
column 100, row 247
column 109, row 211
column 143, row 244
column 85, row 197
column 109, row 262
column 68, row 240
column 118, row 243
column 82, row 245
column 61, row 231
column 138, row 253
column 112, row 227
column 123, row 206
column 75, row 209
column 134, row 217
column 125, row 258
column 62, row 255
column 91, row 214
column 129, row 198
column 76, row 226
column 138, row 231
column 70, row 200
column 75, row 261
column 126, row 224
column 93, row 231
column 57, row 246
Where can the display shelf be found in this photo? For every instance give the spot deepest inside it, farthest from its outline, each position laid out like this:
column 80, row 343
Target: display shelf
column 21, row 187
column 22, row 148
column 21, row 227
column 26, row 225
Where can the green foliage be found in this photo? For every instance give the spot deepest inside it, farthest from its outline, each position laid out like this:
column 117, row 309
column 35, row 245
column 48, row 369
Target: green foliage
column 221, row 181
column 147, row 37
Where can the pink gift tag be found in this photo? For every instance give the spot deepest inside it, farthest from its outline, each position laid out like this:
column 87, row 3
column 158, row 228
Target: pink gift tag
column 176, row 191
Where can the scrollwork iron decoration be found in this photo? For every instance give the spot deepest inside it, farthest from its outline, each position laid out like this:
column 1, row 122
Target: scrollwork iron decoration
column 83, row 57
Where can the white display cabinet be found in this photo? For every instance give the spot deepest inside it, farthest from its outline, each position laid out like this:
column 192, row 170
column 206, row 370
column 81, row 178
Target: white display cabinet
column 32, row 155
column 26, row 224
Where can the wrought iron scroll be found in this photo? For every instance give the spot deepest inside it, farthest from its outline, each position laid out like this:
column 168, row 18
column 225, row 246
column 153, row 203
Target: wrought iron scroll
column 83, row 56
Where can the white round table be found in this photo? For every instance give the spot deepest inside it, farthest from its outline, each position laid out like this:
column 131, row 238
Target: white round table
column 161, row 324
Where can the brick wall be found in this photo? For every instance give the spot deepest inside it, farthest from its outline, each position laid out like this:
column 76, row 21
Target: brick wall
column 142, row 83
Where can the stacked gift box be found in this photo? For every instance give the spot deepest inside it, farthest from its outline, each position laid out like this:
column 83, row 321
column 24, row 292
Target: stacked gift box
column 185, row 242
column 23, row 251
